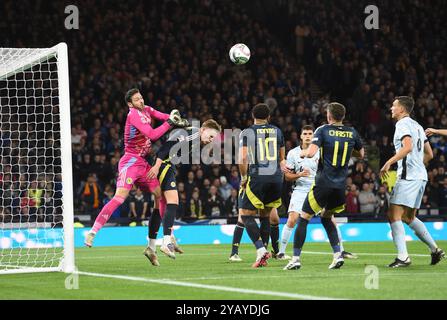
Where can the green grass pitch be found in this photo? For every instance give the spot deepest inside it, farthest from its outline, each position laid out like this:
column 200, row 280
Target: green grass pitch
column 204, row 272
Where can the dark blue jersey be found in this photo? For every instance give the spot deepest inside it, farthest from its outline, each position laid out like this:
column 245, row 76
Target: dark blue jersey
column 336, row 145
column 180, row 145
column 263, row 144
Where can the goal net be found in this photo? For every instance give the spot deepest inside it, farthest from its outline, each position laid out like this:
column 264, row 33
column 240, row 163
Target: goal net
column 36, row 201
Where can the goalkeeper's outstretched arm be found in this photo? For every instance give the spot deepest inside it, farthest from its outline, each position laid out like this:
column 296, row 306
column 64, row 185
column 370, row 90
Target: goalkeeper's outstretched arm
column 148, row 131
column 157, row 114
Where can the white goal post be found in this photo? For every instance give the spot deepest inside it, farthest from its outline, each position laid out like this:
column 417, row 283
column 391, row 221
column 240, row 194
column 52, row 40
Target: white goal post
column 36, row 191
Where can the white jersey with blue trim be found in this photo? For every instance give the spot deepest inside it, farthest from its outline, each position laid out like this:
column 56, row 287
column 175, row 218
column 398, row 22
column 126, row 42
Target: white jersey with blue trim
column 412, row 166
column 295, row 162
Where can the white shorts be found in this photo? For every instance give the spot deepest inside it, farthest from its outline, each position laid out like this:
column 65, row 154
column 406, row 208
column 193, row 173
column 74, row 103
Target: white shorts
column 408, row 193
column 296, row 201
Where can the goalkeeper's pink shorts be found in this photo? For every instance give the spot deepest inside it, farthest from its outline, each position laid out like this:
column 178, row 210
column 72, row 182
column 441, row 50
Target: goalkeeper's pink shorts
column 133, row 170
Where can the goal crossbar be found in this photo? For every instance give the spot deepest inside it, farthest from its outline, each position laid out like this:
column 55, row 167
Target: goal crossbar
column 34, row 57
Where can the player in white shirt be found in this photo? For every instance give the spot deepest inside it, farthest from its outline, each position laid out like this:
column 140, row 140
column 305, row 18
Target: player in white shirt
column 413, row 152
column 304, row 177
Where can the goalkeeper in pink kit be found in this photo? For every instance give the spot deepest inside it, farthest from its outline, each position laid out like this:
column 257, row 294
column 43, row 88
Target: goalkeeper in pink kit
column 133, row 168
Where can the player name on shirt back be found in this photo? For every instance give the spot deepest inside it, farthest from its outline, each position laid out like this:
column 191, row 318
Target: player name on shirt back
column 266, row 130
column 341, row 134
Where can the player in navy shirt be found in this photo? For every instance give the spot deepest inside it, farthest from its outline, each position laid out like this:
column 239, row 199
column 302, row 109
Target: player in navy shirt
column 336, row 142
column 262, row 161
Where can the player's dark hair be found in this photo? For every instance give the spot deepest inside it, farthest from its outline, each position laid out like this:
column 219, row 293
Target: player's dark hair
column 261, row 111
column 337, row 110
column 307, row 127
column 212, row 124
column 407, row 102
column 130, row 93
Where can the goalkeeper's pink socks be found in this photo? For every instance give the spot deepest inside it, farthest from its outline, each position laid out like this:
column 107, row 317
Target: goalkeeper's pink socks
column 107, row 212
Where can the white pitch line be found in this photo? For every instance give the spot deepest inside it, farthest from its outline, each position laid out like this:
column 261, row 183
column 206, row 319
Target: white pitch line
column 297, row 275
column 294, row 274
column 367, row 254
column 209, row 287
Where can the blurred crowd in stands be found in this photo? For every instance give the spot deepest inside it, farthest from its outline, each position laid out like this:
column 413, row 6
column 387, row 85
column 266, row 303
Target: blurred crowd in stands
column 176, row 52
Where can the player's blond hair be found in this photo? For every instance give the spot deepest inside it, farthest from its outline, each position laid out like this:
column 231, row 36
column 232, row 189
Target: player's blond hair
column 212, row 124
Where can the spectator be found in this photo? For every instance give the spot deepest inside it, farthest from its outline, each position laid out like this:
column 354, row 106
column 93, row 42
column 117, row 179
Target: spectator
column 90, row 196
column 190, row 184
column 358, row 172
column 139, row 206
column 35, row 194
column 79, row 133
column 231, row 208
column 367, row 200
column 199, row 178
column 225, row 188
column 86, row 167
column 110, row 170
column 204, row 191
column 75, row 138
column 215, row 173
column 352, row 201
column 216, row 183
column 195, row 206
column 383, row 201
column 97, row 128
column 182, row 205
column 386, row 151
column 440, row 177
column 28, row 208
column 214, row 204
column 48, row 208
column 234, row 178
column 426, row 204
column 99, row 167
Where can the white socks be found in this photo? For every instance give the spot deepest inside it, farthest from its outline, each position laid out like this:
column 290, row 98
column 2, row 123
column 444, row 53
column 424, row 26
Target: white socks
column 421, row 231
column 166, row 240
column 285, row 236
column 152, row 244
column 260, row 252
column 398, row 232
column 339, row 238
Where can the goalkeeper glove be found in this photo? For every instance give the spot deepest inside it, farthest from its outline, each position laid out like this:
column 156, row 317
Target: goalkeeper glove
column 183, row 123
column 174, row 117
column 176, row 120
